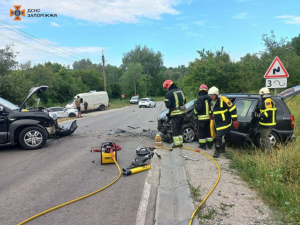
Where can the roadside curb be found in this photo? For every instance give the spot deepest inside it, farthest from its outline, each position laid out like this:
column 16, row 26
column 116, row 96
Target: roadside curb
column 174, row 204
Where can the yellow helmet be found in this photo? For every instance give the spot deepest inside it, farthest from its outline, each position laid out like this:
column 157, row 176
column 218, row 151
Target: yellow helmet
column 213, row 91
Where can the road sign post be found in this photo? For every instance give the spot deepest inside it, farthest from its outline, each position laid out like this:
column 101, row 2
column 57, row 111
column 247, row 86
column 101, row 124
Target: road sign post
column 276, row 76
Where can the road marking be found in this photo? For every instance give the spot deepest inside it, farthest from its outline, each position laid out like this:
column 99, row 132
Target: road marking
column 141, row 215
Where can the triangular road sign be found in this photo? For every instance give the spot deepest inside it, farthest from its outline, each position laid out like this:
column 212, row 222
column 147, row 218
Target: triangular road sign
column 276, row 70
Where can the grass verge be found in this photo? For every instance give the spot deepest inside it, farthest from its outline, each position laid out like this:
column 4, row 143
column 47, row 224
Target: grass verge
column 275, row 176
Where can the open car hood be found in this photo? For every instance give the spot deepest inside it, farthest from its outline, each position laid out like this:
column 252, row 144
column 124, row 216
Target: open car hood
column 33, row 90
column 290, row 92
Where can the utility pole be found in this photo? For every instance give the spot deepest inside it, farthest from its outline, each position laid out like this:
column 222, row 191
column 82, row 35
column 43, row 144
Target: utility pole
column 104, row 74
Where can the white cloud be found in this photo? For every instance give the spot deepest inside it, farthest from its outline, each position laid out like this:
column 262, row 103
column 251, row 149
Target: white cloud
column 104, row 11
column 200, row 23
column 54, row 24
column 194, row 34
column 290, row 19
column 182, row 26
column 240, row 15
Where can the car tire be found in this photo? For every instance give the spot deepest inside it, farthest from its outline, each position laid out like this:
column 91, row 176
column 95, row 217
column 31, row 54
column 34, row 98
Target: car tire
column 155, row 105
column 32, row 137
column 274, row 139
column 72, row 114
column 140, row 106
column 102, row 107
column 188, row 133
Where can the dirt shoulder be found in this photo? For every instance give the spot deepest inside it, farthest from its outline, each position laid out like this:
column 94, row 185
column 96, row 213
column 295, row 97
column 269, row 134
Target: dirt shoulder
column 232, row 201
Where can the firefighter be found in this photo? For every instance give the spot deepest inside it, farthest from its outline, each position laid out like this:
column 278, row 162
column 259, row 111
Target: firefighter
column 225, row 115
column 267, row 117
column 175, row 101
column 202, row 111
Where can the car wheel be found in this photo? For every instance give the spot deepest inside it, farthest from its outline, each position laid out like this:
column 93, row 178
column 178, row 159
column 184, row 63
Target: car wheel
column 102, row 107
column 32, row 138
column 155, row 105
column 273, row 137
column 72, row 114
column 188, row 133
column 140, row 106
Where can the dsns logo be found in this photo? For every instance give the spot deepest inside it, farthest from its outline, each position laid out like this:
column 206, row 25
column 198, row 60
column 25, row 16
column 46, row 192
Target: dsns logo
column 17, row 13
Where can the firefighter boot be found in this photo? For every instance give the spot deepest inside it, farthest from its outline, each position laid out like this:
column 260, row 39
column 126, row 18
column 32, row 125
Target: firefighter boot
column 202, row 146
column 223, row 149
column 210, row 145
column 176, row 146
column 217, row 152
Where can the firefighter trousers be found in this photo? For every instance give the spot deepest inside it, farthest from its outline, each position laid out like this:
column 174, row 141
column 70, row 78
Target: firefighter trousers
column 220, row 138
column 265, row 139
column 204, row 136
column 176, row 126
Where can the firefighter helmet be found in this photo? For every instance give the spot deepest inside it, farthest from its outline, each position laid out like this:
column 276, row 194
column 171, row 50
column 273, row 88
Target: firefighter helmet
column 203, row 87
column 213, row 91
column 265, row 92
column 167, row 84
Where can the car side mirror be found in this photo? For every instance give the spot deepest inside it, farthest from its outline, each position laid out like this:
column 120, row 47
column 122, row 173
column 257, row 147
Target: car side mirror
column 1, row 108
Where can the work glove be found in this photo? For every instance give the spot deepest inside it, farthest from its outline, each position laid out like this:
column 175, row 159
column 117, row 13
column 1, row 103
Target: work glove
column 236, row 124
column 211, row 117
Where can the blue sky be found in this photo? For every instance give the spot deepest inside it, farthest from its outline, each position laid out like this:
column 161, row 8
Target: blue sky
column 176, row 28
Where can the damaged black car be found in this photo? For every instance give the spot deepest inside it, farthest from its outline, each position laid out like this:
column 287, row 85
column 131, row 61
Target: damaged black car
column 248, row 131
column 31, row 127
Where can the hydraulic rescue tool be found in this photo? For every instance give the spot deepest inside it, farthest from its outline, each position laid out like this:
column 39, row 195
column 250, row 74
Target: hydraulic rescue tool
column 108, row 152
column 139, row 163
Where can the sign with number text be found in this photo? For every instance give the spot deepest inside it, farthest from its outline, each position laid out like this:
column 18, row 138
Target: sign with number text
column 276, row 83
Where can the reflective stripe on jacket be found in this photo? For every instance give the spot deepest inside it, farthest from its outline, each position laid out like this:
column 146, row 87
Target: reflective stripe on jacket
column 268, row 113
column 173, row 100
column 224, row 113
column 202, row 107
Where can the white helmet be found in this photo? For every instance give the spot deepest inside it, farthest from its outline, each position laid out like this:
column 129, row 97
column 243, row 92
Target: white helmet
column 213, row 91
column 265, row 92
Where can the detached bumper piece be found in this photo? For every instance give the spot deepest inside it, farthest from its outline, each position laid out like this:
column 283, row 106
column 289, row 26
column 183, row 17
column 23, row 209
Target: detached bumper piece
column 66, row 129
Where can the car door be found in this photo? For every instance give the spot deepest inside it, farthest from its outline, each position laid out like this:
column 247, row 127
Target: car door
column 245, row 108
column 3, row 125
column 151, row 102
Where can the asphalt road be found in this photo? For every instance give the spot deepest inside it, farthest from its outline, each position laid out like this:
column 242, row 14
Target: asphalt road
column 34, row 181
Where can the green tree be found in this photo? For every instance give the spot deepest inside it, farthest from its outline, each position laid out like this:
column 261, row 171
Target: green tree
column 213, row 69
column 151, row 62
column 130, row 80
column 296, row 45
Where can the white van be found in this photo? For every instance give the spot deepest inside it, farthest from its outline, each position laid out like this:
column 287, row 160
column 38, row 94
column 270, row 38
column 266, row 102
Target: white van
column 96, row 100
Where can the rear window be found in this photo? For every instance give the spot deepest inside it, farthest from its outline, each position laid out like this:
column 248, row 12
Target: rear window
column 144, row 99
column 135, row 98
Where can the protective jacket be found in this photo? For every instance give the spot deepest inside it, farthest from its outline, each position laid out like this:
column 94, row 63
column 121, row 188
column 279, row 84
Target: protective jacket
column 224, row 113
column 202, row 107
column 268, row 113
column 174, row 99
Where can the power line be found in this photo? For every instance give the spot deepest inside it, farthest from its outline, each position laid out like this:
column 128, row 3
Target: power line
column 35, row 47
column 47, row 43
column 35, row 40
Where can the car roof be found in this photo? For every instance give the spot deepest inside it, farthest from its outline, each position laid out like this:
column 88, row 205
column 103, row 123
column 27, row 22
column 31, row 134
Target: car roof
column 241, row 95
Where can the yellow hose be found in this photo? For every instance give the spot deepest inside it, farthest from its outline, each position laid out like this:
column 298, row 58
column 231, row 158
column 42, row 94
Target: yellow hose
column 211, row 190
column 75, row 200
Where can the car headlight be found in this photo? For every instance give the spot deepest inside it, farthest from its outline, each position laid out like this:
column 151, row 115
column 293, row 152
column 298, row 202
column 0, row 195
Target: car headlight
column 53, row 115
